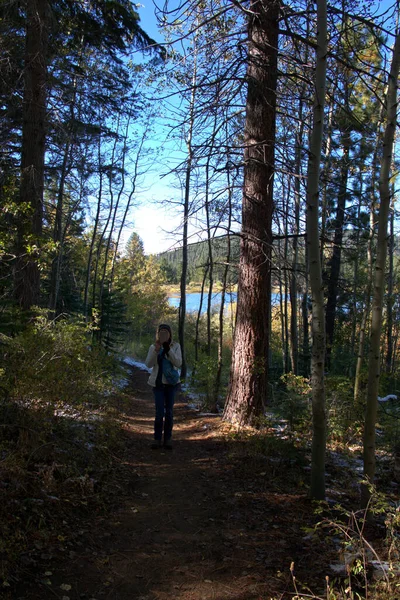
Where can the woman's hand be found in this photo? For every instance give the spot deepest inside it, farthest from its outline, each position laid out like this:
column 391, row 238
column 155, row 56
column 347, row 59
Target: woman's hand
column 157, row 346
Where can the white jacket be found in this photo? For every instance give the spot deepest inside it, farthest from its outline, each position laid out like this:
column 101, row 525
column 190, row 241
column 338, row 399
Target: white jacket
column 174, row 356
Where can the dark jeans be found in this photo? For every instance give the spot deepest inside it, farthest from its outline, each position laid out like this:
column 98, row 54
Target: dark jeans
column 164, row 398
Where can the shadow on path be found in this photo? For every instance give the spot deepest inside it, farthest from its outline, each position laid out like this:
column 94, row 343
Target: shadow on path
column 192, row 524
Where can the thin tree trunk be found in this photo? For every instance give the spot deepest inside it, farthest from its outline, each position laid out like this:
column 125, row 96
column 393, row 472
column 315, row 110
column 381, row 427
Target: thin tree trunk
column 103, row 233
column 249, row 370
column 294, row 340
column 314, row 258
column 390, row 298
column 223, row 293
column 326, row 178
column 354, row 311
column 182, row 303
column 282, row 320
column 379, row 280
column 29, row 225
column 93, row 239
column 58, row 234
column 196, row 336
column 335, row 262
column 121, row 161
column 210, row 255
column 367, row 302
column 304, row 312
column 283, row 278
column 133, row 181
column 286, row 299
column 58, row 231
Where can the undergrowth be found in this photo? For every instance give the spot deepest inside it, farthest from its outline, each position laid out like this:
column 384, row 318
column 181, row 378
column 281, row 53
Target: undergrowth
column 367, row 563
column 57, row 435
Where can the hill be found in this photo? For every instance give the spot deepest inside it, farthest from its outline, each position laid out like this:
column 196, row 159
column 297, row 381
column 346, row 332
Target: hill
column 198, row 254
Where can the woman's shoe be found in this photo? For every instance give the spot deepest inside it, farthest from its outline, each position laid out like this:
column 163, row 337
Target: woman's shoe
column 168, row 445
column 156, row 445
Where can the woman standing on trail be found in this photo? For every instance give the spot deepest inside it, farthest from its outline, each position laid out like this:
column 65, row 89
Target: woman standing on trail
column 165, row 357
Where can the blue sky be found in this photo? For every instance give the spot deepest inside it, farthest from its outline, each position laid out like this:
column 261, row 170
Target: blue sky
column 157, row 225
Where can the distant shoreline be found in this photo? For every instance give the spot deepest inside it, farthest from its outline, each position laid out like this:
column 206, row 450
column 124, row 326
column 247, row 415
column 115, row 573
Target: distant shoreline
column 173, row 289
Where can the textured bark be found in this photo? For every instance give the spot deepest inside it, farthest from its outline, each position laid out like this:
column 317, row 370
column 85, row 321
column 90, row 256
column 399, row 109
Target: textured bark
column 314, row 260
column 27, row 277
column 249, row 371
column 379, row 278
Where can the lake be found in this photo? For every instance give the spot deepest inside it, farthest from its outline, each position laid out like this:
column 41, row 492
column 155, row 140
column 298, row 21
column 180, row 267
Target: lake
column 193, row 301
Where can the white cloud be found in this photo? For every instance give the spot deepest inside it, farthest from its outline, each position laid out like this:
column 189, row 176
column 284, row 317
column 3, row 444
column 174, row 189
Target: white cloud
column 157, row 226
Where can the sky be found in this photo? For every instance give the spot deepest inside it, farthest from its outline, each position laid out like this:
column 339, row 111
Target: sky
column 152, row 221
column 157, row 225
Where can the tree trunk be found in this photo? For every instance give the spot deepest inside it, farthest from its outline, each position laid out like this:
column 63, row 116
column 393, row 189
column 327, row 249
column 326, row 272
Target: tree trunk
column 390, row 299
column 367, row 301
column 182, row 303
column 94, row 234
column 188, row 174
column 210, row 254
column 282, row 320
column 249, row 371
column 367, row 304
column 314, row 259
column 326, row 176
column 330, row 313
column 131, row 194
column 354, row 307
column 294, row 340
column 197, row 328
column 379, row 280
column 58, row 233
column 305, row 370
column 223, row 293
column 29, row 227
column 108, row 269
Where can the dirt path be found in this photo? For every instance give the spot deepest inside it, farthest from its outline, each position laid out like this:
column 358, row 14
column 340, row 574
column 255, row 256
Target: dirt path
column 195, row 523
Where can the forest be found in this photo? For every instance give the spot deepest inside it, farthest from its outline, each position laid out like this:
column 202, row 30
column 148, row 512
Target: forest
column 268, row 131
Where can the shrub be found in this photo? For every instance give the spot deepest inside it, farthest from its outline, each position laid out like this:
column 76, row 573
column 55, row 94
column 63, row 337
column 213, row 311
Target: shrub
column 52, row 361
column 293, row 400
column 56, row 432
column 344, row 415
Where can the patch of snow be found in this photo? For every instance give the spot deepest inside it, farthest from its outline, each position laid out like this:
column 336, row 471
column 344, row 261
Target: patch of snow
column 134, row 363
column 387, row 398
column 121, row 383
column 342, row 461
column 339, row 569
column 82, row 418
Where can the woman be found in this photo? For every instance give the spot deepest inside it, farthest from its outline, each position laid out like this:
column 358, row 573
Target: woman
column 165, row 357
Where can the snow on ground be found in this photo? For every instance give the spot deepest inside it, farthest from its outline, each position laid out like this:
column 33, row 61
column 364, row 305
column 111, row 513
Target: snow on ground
column 387, row 398
column 134, row 363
